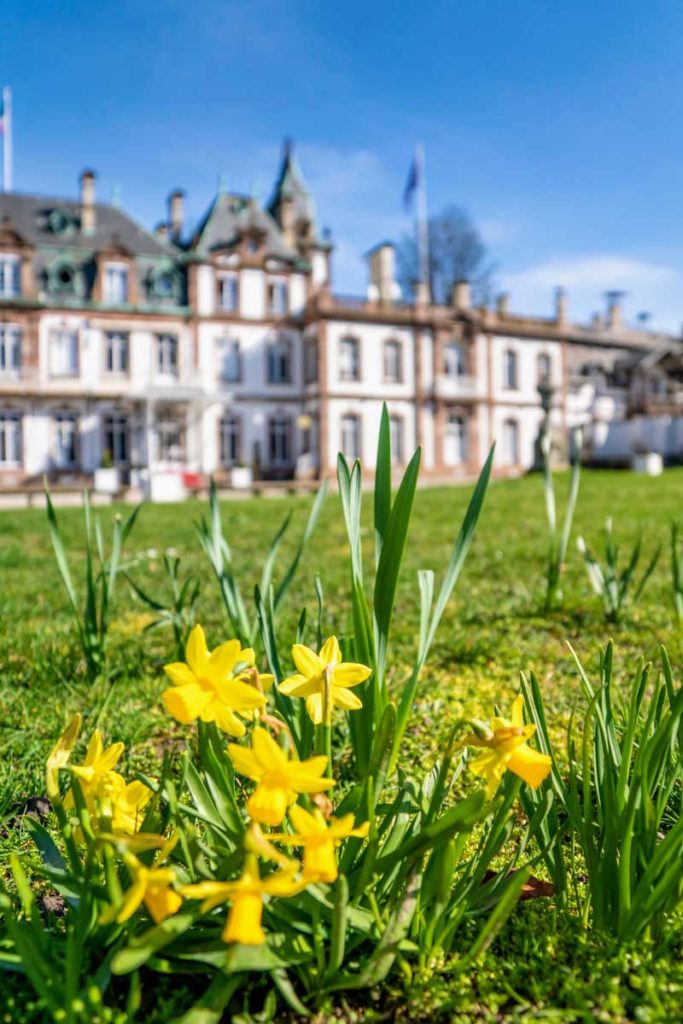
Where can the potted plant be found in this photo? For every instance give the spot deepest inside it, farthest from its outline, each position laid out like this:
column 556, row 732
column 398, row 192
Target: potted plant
column 107, row 476
column 240, row 476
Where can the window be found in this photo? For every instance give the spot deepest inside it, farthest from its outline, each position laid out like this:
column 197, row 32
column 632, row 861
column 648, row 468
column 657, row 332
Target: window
column 511, row 442
column 279, row 441
column 229, row 359
column 163, row 285
column 543, row 368
column 63, row 279
column 310, row 361
column 228, row 293
column 63, row 353
column 167, row 355
column 10, row 439
column 169, row 441
column 396, row 437
column 279, row 361
column 66, row 433
column 510, row 370
column 10, row 348
column 349, row 359
column 393, row 362
column 453, row 359
column 116, row 435
column 115, row 284
column 229, row 438
column 10, row 276
column 277, row 298
column 455, row 440
column 116, row 352
column 350, row 437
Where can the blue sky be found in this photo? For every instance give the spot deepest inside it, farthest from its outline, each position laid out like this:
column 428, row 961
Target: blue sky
column 555, row 123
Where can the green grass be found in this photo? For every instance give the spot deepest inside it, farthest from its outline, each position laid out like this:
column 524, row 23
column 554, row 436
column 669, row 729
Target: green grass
column 540, row 968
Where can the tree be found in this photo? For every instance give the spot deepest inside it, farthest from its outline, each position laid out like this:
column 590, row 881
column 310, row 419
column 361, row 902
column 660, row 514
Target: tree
column 456, row 253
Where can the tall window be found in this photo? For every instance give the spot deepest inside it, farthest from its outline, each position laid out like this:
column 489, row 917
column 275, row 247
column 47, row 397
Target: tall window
column 350, row 436
column 228, row 292
column 310, row 361
column 10, row 348
column 66, row 434
column 455, row 440
column 169, row 440
column 453, row 359
column 229, row 359
column 511, row 442
column 63, row 353
column 10, row 276
column 278, row 303
column 116, row 347
column 229, row 428
column 396, row 437
column 115, row 283
column 10, row 439
column 279, row 361
column 510, row 369
column 543, row 368
column 349, row 359
column 393, row 362
column 116, row 438
column 279, row 442
column 167, row 355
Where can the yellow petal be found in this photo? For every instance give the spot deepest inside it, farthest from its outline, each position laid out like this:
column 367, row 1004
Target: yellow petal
column 329, row 652
column 59, row 755
column 300, row 686
column 110, row 757
column 179, row 673
column 266, row 680
column 342, row 698
column 240, row 696
column 342, row 828
column 320, row 863
column 350, row 674
column 196, row 651
column 314, row 706
column 530, row 765
column 244, row 921
column 94, row 749
column 226, row 720
column 268, row 804
column 306, row 660
column 162, row 901
column 186, row 703
column 305, row 824
column 245, row 762
column 518, row 710
column 269, row 754
column 133, row 898
column 212, row 893
column 223, row 660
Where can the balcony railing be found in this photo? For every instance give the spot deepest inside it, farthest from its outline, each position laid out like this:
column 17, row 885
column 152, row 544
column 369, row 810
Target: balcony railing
column 461, row 386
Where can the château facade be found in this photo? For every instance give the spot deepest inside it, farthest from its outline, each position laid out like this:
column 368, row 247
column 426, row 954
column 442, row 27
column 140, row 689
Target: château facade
column 169, row 351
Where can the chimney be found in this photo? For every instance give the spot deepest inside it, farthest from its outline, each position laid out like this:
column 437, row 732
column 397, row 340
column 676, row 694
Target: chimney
column 87, row 183
column 461, row 295
column 503, row 304
column 161, row 230
column 383, row 287
column 175, row 213
column 614, row 309
column 560, row 306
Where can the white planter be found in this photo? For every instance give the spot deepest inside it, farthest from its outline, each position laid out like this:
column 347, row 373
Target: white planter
column 108, row 481
column 240, row 478
column 166, row 485
column 649, row 463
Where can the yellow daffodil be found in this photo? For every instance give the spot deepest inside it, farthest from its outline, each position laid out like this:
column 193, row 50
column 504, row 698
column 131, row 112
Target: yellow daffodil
column 245, row 895
column 151, row 886
column 96, row 774
column 318, row 838
column 279, row 778
column 324, row 674
column 208, row 686
column 505, row 748
column 128, row 801
column 60, row 754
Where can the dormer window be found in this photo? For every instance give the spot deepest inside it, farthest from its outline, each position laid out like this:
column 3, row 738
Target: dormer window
column 228, row 293
column 10, row 276
column 62, row 279
column 253, row 245
column 278, row 299
column 60, row 223
column 164, row 285
column 116, row 284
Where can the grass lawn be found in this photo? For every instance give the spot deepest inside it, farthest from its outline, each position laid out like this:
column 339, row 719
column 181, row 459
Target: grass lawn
column 542, row 966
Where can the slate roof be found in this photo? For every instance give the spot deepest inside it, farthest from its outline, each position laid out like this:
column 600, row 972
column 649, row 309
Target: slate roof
column 30, row 216
column 290, row 185
column 231, row 216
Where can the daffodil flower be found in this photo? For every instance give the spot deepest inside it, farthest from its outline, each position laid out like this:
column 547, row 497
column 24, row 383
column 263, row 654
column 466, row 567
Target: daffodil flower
column 151, row 886
column 59, row 756
column 505, row 748
column 207, row 687
column 97, row 769
column 324, row 680
column 128, row 801
column 319, row 838
column 245, row 895
column 279, row 778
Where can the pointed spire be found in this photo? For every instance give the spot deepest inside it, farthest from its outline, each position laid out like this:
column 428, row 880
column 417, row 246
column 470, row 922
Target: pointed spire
column 291, row 192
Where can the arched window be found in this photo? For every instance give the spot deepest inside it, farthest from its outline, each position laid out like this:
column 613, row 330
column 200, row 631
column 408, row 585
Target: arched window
column 454, row 359
column 350, row 436
column 62, row 278
column 349, row 359
column 510, row 370
column 279, row 360
column 543, row 368
column 393, row 361
column 511, row 442
column 229, row 437
column 455, row 440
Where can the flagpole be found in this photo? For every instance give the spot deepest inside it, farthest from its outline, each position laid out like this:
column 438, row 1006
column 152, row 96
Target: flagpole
column 422, row 225
column 6, row 139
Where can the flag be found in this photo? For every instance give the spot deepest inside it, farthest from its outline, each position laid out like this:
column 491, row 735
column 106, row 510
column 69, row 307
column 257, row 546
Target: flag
column 412, row 183
column 2, row 116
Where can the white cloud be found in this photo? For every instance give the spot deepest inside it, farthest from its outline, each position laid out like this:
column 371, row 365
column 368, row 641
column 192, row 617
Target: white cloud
column 649, row 285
